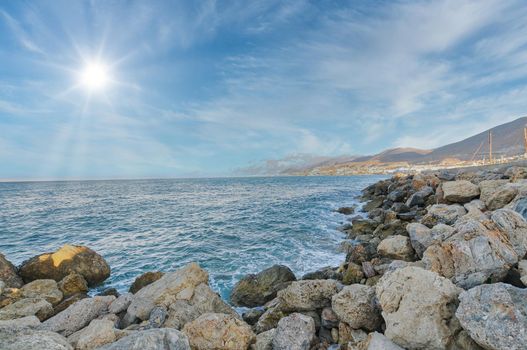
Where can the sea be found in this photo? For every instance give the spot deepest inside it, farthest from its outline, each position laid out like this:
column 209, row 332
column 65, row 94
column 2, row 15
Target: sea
column 230, row 226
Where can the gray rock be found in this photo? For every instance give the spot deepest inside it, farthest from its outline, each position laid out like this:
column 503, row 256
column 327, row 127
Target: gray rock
column 495, row 315
column 294, row 332
column 30, row 339
column 501, row 198
column 396, row 247
column 78, row 315
column 264, row 341
column 522, row 269
column 515, row 226
column 219, row 331
column 423, row 237
column 475, row 204
column 488, row 187
column 45, row 289
column 23, row 322
column 329, row 318
column 257, row 289
column 377, row 341
column 151, row 339
column 308, row 295
column 443, row 214
column 473, row 255
column 157, row 317
column 418, row 307
column 357, row 306
column 325, row 273
column 203, row 300
column 120, row 304
column 96, row 334
column 419, row 197
column 177, row 285
column 8, row 273
column 461, row 191
column 521, row 207
column 27, row 307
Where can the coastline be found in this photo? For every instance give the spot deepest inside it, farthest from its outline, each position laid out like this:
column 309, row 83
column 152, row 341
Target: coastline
column 435, row 240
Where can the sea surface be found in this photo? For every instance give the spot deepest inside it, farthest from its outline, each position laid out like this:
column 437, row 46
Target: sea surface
column 231, row 226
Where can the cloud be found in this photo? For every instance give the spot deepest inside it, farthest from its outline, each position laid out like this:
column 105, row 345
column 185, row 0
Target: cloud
column 21, row 35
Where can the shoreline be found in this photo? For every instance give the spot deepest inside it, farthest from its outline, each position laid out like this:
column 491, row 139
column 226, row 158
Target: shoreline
column 419, row 240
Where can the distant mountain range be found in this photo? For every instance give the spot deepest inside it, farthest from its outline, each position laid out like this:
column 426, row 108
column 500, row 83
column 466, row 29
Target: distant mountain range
column 507, row 140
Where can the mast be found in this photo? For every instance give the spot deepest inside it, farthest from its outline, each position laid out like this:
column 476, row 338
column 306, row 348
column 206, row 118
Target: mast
column 490, row 147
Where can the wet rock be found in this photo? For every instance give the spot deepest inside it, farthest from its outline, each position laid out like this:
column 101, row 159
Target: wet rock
column 495, row 315
column 501, row 198
column 346, row 210
column 396, row 247
column 96, row 334
column 202, row 300
column 373, row 204
column 325, row 273
column 363, row 226
column 144, row 280
column 472, row 256
column 460, row 191
column 218, row 331
column 294, row 332
column 443, row 214
column 270, row 318
column 253, row 315
column 108, row 292
column 165, row 290
column 264, row 341
column 8, row 273
column 151, row 339
column 64, row 261
column 72, row 284
column 78, row 315
column 308, row 295
column 353, row 274
column 121, row 303
column 45, row 289
column 30, row 339
column 413, row 299
column 257, row 289
column 329, row 318
column 356, row 305
column 27, row 307
column 397, row 196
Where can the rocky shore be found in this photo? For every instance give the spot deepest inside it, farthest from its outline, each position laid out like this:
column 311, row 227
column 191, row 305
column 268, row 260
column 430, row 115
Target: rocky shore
column 435, row 261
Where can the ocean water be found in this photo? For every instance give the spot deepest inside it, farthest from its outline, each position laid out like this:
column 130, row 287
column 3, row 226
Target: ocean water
column 231, row 226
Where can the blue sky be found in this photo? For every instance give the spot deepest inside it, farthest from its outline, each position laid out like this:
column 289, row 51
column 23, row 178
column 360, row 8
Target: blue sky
column 206, row 88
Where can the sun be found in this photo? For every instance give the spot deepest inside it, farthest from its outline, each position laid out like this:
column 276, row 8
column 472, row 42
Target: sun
column 94, row 76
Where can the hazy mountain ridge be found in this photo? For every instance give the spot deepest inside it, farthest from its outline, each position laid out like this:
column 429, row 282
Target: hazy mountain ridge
column 507, row 140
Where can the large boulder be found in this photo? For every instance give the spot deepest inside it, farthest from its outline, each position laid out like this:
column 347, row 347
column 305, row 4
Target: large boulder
column 489, row 187
column 121, row 303
column 476, row 253
column 23, row 322
column 78, row 315
column 45, row 289
column 264, row 341
column 257, row 289
column 308, row 295
column 443, row 214
column 27, row 307
column 96, row 334
column 173, row 286
column 418, row 307
column 357, row 306
column 30, row 339
column 151, row 339
column 8, row 273
column 270, row 318
column 514, row 226
column 423, row 237
column 68, row 259
column 396, row 247
column 495, row 315
column 294, row 332
column 203, row 300
column 522, row 269
column 144, row 280
column 501, row 197
column 460, row 191
column 219, row 331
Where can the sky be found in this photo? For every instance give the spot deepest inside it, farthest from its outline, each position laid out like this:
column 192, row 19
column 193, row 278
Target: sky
column 210, row 88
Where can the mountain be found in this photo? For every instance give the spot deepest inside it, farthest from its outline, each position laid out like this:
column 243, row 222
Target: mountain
column 507, row 140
